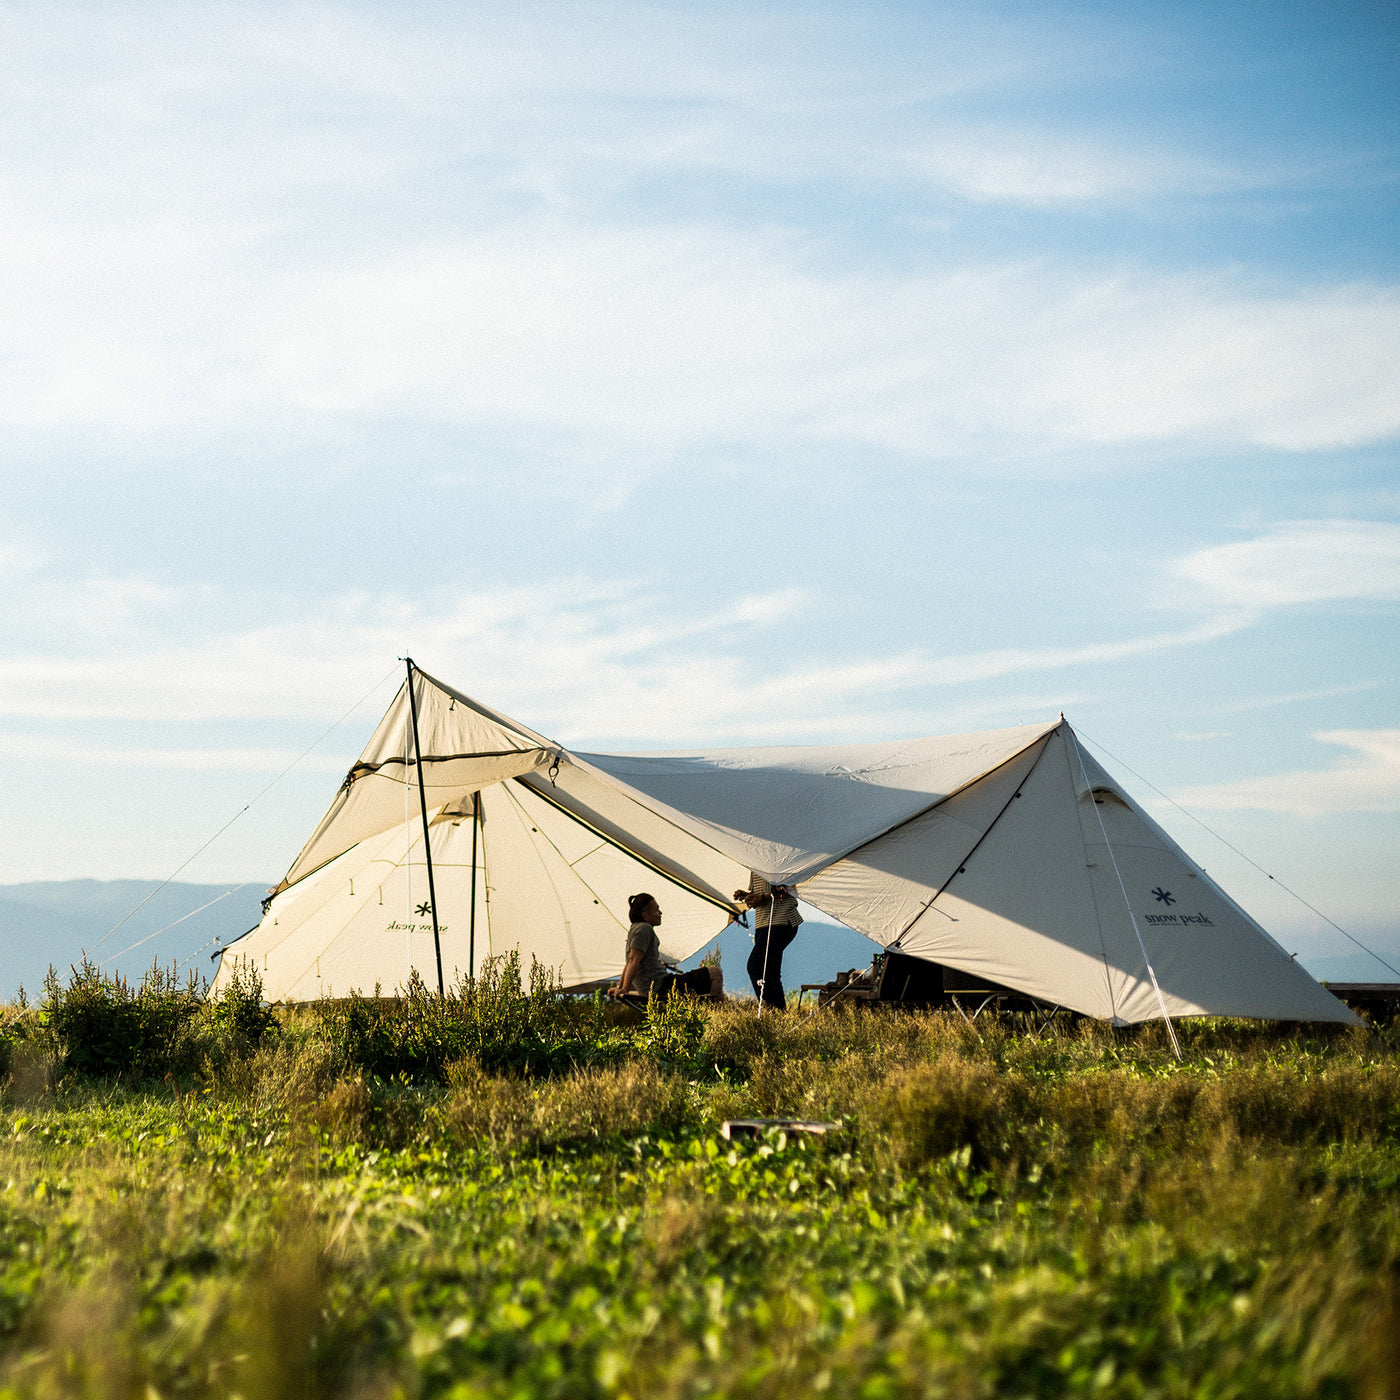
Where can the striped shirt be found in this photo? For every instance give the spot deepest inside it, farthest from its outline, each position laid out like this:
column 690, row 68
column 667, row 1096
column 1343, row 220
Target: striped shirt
column 783, row 912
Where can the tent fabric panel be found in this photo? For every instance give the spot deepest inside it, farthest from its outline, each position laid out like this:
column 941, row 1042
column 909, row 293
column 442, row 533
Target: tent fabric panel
column 573, row 918
column 374, row 802
column 879, row 889
column 337, row 918
column 1042, row 907
column 1137, row 827
column 611, row 876
column 465, row 748
column 1210, row 956
column 363, row 920
column 1208, row 960
column 448, row 723
column 454, row 701
column 657, row 837
column 688, row 923
column 348, row 926
column 536, row 903
column 1020, row 910
column 789, row 812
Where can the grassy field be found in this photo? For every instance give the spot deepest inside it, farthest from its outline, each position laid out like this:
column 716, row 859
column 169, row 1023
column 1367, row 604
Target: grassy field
column 514, row 1196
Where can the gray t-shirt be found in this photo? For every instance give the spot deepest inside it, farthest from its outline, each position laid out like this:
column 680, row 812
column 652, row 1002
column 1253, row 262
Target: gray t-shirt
column 651, row 969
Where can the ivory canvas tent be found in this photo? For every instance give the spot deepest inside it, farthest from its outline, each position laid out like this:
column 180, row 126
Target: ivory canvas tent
column 1010, row 855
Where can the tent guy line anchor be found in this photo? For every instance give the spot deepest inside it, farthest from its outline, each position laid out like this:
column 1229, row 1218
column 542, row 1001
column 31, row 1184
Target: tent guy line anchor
column 132, row 947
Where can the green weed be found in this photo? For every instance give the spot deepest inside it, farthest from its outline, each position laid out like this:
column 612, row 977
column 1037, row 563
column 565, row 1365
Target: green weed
column 514, row 1196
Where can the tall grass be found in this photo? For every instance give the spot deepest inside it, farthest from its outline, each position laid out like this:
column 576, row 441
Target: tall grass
column 516, row 1195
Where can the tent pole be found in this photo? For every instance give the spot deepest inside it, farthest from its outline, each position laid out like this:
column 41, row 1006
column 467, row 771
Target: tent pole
column 471, row 923
column 1151, row 971
column 423, row 806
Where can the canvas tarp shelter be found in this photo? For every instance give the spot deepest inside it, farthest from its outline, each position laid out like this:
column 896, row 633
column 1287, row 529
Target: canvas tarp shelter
column 1009, row 854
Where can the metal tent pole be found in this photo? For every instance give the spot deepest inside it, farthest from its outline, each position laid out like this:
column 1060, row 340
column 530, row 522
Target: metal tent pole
column 471, row 936
column 1127, row 903
column 423, row 806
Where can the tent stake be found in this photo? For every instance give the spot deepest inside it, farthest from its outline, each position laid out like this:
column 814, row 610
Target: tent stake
column 423, row 805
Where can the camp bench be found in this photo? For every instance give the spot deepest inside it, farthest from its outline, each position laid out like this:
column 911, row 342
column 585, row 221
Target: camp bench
column 896, row 979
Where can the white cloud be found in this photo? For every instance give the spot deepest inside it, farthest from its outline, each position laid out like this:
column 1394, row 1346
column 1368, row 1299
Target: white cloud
column 1302, row 561
column 45, row 601
column 1044, row 168
column 1366, row 781
column 549, row 642
column 667, row 337
column 1293, row 697
column 571, row 657
column 239, row 221
column 580, row 658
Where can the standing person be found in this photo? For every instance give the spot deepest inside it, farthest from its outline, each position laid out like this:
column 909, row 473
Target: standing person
column 776, row 917
column 645, row 972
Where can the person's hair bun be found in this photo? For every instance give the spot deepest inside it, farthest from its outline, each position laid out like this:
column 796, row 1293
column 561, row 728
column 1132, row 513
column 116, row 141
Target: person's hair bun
column 636, row 904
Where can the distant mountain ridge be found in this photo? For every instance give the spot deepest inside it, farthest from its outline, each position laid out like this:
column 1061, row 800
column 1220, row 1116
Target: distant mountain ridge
column 1356, row 967
column 52, row 922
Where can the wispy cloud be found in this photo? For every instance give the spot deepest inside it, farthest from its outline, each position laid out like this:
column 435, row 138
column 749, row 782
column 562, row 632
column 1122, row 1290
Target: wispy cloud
column 1047, row 169
column 669, row 337
column 1367, row 780
column 542, row 643
column 241, row 221
column 1294, row 697
column 1301, row 561
column 590, row 657
column 572, row 657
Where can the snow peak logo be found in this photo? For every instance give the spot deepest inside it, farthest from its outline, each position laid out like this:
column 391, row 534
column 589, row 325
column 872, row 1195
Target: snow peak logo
column 397, row 927
column 1179, row 919
column 1166, row 898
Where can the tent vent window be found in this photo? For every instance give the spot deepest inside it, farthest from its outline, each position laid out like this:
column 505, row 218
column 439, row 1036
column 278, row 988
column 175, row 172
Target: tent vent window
column 1104, row 796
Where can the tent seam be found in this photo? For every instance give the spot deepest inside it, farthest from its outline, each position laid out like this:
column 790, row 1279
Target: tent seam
column 627, row 851
column 933, row 806
column 642, row 800
column 1093, row 893
column 1118, row 874
column 1044, row 741
column 598, row 898
column 363, row 770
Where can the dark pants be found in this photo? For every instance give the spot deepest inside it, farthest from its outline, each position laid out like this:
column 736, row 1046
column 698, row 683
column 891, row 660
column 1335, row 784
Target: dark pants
column 697, row 982
column 768, row 945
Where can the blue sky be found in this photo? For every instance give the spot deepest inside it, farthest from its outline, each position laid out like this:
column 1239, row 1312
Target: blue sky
column 680, row 374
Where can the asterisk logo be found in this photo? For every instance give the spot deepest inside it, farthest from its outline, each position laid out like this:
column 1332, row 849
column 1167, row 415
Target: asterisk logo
column 422, row 909
column 1163, row 896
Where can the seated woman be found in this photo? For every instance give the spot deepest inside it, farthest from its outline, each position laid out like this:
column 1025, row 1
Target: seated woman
column 645, row 974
